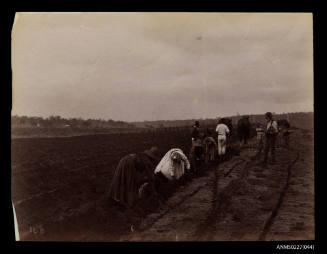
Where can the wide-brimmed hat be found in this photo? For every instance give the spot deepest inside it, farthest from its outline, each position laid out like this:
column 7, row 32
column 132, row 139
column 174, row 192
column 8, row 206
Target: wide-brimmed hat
column 268, row 114
column 153, row 153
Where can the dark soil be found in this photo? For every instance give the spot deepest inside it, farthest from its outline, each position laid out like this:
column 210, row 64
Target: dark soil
column 59, row 187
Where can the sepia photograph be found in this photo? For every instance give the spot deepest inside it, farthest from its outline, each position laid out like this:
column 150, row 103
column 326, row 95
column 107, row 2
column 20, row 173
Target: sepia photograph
column 162, row 126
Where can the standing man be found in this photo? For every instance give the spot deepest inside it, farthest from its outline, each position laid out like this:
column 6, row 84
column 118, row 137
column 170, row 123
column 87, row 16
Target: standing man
column 197, row 148
column 195, row 132
column 271, row 135
column 222, row 131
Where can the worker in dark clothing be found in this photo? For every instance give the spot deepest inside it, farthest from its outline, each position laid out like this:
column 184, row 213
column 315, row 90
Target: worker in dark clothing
column 196, row 132
column 197, row 147
column 133, row 183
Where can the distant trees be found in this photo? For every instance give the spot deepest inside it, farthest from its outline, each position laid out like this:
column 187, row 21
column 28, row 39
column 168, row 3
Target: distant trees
column 59, row 122
column 299, row 119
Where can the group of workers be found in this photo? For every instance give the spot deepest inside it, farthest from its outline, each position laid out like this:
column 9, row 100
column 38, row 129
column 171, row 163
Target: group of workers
column 205, row 146
column 144, row 180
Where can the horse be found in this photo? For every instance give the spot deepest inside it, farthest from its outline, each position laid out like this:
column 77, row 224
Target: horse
column 243, row 129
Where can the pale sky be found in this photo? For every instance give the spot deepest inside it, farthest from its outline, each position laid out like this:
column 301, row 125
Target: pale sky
column 161, row 66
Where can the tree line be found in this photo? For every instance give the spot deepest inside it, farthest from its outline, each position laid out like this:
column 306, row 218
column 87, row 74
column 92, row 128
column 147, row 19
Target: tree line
column 60, row 122
column 296, row 119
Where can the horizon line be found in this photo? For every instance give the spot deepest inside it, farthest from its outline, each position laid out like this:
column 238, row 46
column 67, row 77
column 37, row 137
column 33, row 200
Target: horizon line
column 167, row 120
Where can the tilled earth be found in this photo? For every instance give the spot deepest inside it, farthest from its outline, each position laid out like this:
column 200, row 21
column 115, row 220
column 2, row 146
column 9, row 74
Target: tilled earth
column 233, row 200
column 240, row 200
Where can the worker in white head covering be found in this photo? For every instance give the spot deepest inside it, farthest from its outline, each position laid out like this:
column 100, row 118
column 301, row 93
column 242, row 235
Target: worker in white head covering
column 173, row 164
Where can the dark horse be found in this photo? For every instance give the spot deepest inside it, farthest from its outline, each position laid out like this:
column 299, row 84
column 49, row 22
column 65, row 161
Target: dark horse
column 229, row 124
column 283, row 123
column 243, row 129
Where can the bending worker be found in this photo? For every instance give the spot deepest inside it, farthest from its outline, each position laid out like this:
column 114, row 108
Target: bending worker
column 133, row 176
column 210, row 148
column 173, row 164
column 169, row 170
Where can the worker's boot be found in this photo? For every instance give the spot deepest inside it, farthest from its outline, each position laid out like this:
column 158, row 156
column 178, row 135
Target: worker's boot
column 223, row 157
column 264, row 163
column 254, row 157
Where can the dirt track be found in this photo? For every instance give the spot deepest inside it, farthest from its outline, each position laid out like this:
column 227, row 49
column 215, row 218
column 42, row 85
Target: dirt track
column 238, row 200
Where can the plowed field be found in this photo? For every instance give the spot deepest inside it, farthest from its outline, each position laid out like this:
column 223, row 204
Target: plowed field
column 59, row 186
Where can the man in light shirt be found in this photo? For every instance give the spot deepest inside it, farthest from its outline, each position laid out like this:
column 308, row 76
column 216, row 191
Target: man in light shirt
column 271, row 135
column 222, row 131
